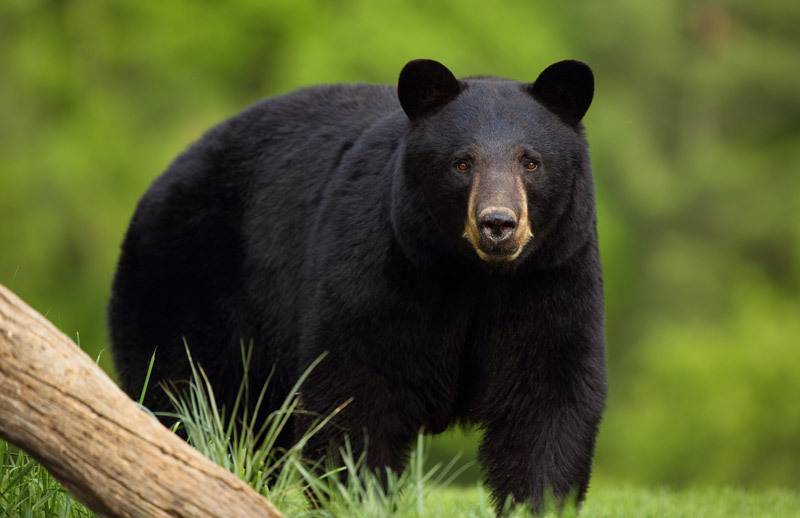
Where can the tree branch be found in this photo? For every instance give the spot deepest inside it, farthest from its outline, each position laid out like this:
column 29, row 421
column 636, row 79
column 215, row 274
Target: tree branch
column 59, row 406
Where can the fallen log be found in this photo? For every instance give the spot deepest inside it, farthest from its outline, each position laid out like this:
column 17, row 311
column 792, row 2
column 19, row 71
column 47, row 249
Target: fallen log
column 61, row 408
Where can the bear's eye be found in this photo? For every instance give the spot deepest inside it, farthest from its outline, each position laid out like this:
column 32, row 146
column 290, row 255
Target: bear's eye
column 530, row 164
column 462, row 166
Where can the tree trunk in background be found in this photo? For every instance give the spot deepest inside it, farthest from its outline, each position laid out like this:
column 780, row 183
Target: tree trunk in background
column 60, row 407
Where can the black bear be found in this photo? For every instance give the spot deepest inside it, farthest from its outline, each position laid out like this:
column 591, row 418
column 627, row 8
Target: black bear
column 437, row 240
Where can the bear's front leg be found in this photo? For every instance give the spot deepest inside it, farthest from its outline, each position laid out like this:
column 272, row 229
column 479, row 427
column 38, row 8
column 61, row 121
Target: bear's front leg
column 392, row 361
column 542, row 449
column 364, row 408
column 544, row 388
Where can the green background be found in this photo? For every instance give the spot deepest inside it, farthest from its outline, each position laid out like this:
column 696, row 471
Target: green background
column 695, row 136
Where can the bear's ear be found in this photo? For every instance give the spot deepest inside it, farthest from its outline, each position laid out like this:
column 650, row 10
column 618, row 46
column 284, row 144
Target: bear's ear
column 565, row 88
column 424, row 86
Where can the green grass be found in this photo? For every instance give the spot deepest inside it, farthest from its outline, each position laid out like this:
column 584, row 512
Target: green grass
column 635, row 502
column 27, row 490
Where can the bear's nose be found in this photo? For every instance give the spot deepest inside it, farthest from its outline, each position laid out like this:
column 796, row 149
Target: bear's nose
column 497, row 224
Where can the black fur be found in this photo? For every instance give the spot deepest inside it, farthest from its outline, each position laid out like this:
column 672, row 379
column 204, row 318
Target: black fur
column 328, row 220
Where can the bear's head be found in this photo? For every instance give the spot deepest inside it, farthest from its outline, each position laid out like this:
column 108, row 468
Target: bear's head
column 500, row 167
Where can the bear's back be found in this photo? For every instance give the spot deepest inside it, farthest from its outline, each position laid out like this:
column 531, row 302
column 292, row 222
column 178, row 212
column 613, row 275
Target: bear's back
column 224, row 228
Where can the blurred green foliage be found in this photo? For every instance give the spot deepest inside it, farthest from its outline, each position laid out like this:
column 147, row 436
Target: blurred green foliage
column 695, row 133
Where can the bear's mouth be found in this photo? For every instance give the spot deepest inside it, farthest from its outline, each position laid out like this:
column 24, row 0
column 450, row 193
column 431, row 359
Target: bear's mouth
column 501, row 255
column 504, row 252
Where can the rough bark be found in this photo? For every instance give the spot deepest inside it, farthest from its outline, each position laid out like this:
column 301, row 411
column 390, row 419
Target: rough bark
column 57, row 405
